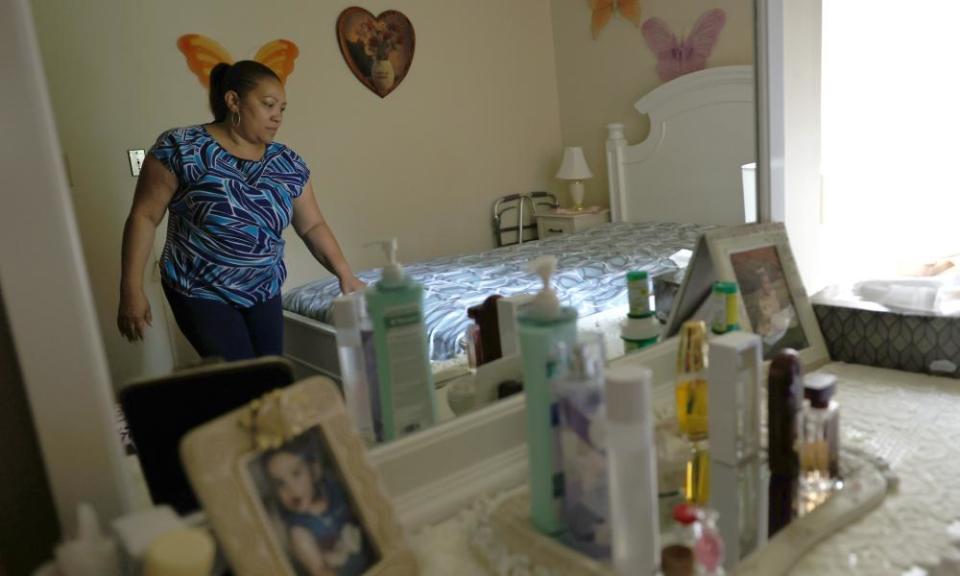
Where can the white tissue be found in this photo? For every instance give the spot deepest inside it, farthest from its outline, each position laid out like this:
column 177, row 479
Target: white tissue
column 939, row 296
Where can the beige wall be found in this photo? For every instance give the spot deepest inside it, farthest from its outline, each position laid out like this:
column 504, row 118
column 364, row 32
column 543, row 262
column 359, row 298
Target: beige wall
column 599, row 80
column 802, row 187
column 477, row 117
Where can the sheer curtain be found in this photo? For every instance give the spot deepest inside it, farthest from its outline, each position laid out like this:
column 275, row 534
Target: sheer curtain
column 890, row 134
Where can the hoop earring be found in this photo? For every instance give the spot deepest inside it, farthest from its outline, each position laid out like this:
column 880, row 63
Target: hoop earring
column 236, row 119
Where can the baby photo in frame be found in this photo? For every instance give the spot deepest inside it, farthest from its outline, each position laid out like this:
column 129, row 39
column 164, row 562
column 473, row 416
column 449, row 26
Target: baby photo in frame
column 767, row 299
column 287, row 488
column 304, row 498
column 773, row 301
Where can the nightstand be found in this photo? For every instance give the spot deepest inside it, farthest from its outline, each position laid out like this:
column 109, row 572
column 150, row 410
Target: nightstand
column 553, row 224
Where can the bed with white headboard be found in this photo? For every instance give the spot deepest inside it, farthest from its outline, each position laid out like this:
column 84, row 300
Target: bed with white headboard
column 685, row 174
column 689, row 167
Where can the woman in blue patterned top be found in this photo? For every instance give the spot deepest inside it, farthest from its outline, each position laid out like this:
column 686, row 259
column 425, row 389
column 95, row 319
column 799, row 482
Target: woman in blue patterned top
column 230, row 190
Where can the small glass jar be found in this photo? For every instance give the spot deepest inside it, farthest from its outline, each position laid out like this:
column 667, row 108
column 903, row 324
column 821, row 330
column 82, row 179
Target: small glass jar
column 695, row 546
column 818, row 442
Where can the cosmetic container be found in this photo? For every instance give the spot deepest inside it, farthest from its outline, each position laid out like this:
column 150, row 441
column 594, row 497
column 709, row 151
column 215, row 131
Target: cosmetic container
column 640, row 328
column 691, row 380
column 640, row 293
column 353, row 364
column 579, row 394
column 91, row 553
column 726, row 308
column 735, row 476
column 694, row 547
column 543, row 324
column 784, row 397
column 818, row 442
column 406, row 393
column 632, row 461
column 676, row 556
column 673, row 455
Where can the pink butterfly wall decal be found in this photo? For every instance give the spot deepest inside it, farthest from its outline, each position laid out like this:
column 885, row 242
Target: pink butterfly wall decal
column 679, row 56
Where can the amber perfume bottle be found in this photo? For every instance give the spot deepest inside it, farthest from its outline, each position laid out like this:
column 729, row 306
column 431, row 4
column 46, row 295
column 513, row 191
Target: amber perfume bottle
column 691, row 382
column 818, row 444
column 691, row 398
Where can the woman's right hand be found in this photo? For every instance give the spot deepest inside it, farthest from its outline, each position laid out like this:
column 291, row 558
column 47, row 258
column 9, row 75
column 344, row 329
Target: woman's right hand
column 134, row 316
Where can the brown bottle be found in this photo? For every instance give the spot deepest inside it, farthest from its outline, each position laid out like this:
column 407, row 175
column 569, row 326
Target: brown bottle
column 487, row 320
column 784, row 401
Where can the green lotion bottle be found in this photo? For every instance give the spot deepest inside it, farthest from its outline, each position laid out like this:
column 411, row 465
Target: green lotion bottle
column 542, row 325
column 395, row 307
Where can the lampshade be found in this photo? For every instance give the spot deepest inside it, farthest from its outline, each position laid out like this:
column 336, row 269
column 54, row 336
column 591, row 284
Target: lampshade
column 574, row 165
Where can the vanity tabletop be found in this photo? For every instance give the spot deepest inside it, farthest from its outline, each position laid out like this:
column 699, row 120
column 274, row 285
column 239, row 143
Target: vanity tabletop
column 910, row 420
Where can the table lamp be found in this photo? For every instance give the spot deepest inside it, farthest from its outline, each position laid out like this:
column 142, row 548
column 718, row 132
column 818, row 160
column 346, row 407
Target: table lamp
column 574, row 168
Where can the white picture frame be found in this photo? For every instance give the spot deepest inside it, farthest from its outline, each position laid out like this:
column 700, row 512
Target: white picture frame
column 773, row 301
column 258, row 526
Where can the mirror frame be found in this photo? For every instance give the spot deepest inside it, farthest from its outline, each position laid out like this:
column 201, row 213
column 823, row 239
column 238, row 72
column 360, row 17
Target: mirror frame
column 50, row 304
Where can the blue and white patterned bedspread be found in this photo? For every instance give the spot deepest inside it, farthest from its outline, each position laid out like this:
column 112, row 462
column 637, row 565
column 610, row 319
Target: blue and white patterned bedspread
column 590, row 275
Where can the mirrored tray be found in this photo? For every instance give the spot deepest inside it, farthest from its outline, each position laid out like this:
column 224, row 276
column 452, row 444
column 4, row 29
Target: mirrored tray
column 505, row 540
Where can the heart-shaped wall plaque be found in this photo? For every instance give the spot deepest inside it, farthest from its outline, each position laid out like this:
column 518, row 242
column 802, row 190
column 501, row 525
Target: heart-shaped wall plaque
column 377, row 49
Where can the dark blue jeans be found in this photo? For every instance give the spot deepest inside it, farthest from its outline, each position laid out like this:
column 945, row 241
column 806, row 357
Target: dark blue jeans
column 230, row 332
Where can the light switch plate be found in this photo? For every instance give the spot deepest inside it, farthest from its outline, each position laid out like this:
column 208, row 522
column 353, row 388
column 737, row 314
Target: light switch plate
column 136, row 161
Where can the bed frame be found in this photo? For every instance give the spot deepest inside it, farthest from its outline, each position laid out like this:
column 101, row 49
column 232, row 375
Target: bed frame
column 692, row 163
column 687, row 170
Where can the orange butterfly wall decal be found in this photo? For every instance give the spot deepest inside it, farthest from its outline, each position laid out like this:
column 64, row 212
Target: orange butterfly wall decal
column 603, row 10
column 203, row 54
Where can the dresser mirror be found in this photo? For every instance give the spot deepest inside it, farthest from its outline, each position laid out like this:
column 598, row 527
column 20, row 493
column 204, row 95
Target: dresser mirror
column 114, row 93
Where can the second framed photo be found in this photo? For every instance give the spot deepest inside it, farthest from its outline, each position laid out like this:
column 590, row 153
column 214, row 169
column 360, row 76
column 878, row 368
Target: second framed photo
column 775, row 304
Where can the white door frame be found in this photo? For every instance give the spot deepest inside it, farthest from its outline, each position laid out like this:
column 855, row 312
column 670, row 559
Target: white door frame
column 769, row 62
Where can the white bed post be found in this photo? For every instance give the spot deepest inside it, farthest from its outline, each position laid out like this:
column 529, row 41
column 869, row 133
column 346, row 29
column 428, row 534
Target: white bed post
column 615, row 145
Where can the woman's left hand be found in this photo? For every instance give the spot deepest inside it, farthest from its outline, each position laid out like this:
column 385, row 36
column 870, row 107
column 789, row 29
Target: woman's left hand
column 351, row 283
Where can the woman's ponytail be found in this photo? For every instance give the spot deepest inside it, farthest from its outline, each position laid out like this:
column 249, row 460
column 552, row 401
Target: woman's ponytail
column 240, row 77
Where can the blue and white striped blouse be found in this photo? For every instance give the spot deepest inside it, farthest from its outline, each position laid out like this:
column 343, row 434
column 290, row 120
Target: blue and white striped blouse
column 226, row 218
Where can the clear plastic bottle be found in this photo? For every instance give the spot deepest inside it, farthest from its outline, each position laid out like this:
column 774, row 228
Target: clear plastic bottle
column 632, row 461
column 579, row 395
column 354, row 364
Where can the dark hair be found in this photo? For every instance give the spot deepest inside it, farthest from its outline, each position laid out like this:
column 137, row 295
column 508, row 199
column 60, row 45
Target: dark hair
column 306, row 447
column 240, row 77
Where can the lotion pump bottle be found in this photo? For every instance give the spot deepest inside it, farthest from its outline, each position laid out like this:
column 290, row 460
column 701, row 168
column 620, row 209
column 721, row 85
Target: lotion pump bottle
column 395, row 307
column 543, row 324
